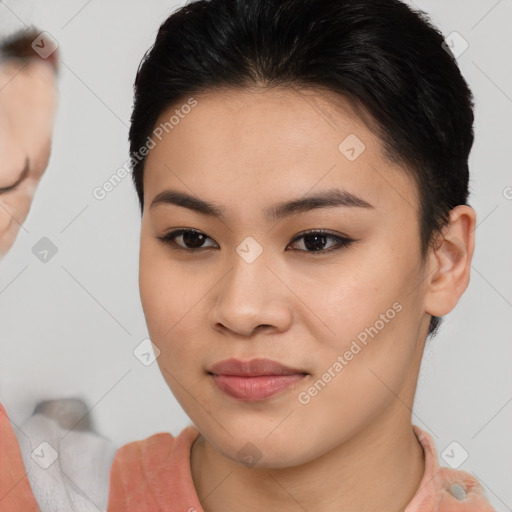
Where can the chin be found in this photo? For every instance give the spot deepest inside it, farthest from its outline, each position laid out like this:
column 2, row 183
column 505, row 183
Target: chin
column 259, row 450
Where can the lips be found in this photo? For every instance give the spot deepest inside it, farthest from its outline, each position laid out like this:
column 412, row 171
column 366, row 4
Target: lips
column 254, row 380
column 252, row 368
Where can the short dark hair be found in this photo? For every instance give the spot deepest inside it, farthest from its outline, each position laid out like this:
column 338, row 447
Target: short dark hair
column 18, row 46
column 381, row 55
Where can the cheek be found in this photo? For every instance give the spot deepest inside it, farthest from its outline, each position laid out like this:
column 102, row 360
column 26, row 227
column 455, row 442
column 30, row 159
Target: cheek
column 158, row 289
column 6, row 220
column 14, row 209
column 8, row 230
column 17, row 202
column 346, row 300
column 172, row 309
column 369, row 318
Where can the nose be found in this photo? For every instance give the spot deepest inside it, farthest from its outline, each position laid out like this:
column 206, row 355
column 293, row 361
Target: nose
column 251, row 297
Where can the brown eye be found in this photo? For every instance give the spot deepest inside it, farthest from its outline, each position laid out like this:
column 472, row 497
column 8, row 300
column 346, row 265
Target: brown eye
column 191, row 239
column 315, row 241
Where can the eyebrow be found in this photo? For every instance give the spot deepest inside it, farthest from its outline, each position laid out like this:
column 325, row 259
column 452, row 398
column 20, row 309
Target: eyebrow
column 23, row 175
column 327, row 199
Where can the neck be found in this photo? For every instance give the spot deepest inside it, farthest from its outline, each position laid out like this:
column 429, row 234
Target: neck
column 379, row 468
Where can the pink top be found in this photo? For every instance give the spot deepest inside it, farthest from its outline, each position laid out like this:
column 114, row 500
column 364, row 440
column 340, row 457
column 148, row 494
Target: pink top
column 15, row 491
column 154, row 474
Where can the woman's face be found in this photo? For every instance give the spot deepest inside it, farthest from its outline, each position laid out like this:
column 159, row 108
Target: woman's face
column 28, row 98
column 351, row 317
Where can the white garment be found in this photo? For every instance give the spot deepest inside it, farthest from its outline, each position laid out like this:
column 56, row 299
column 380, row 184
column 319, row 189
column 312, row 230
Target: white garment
column 68, row 469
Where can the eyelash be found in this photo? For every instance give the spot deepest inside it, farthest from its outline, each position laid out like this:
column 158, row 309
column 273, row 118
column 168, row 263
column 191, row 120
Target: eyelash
column 343, row 242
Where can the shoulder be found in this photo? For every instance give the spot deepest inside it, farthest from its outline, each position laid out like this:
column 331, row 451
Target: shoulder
column 155, row 447
column 142, row 470
column 132, row 473
column 446, row 489
column 136, row 462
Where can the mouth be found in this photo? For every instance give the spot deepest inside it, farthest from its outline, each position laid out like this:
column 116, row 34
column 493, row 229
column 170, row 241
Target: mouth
column 254, row 380
column 252, row 368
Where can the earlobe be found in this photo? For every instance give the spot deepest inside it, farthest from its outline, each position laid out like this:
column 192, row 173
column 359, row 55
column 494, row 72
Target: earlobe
column 451, row 262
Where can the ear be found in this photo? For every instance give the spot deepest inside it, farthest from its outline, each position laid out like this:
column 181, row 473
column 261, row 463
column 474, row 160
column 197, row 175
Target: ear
column 450, row 263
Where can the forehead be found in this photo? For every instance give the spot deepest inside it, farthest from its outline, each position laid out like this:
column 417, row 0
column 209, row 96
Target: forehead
column 271, row 143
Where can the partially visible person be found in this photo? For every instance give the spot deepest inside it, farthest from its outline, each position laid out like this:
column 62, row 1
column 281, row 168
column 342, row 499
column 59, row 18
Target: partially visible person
column 28, row 102
column 54, row 461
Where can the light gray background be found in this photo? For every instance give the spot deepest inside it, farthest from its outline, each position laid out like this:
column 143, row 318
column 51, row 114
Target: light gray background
column 69, row 327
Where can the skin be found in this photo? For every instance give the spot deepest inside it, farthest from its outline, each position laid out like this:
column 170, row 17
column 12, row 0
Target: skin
column 352, row 446
column 28, row 99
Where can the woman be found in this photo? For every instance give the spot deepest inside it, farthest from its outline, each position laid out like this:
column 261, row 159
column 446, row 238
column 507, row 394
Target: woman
column 302, row 172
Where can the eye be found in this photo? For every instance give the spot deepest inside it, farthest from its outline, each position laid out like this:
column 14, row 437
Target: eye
column 190, row 237
column 314, row 241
